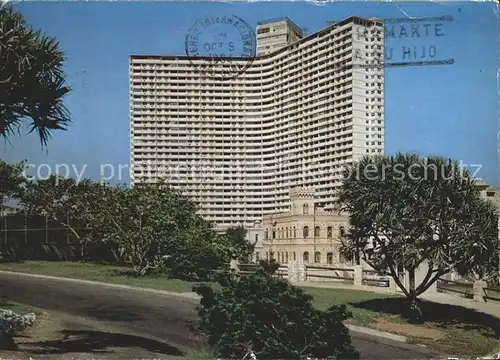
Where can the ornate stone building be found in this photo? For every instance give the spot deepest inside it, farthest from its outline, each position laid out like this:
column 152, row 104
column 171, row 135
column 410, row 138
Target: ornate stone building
column 305, row 233
column 490, row 193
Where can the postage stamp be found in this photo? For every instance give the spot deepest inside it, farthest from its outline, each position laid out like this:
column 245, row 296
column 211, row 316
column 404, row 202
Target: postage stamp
column 224, row 46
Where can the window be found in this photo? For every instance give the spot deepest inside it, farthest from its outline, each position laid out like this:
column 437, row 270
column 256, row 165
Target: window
column 257, row 256
column 305, row 257
column 329, row 258
column 256, row 237
column 329, row 232
column 316, row 231
column 286, row 254
column 305, row 232
column 294, row 232
column 305, row 209
column 266, row 234
column 317, row 257
column 342, row 231
column 294, row 256
column 263, row 30
column 274, row 234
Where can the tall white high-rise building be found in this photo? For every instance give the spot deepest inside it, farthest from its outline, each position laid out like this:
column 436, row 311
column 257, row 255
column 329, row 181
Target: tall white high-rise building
column 295, row 117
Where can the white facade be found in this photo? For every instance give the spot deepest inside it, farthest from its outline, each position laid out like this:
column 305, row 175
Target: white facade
column 275, row 34
column 238, row 146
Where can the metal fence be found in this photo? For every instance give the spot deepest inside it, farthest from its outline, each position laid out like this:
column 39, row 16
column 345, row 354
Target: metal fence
column 492, row 293
column 39, row 237
column 462, row 288
column 21, row 227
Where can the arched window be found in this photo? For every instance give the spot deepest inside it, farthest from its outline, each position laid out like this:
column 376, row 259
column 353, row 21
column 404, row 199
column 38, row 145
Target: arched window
column 305, row 257
column 286, row 256
column 317, row 257
column 305, row 232
column 329, row 258
column 305, row 209
column 329, row 232
column 294, row 256
column 286, row 231
column 316, row 231
column 266, row 234
column 342, row 231
column 294, row 232
column 257, row 256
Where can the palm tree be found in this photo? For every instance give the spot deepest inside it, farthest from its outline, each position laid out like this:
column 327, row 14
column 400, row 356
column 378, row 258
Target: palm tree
column 32, row 80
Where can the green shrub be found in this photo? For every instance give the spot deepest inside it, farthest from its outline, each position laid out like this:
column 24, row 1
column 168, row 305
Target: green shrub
column 263, row 314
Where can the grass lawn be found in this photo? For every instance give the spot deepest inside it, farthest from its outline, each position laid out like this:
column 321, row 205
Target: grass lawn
column 448, row 328
column 18, row 308
column 98, row 272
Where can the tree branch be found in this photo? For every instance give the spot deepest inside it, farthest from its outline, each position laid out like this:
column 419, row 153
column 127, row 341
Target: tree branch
column 396, row 279
column 6, row 80
column 69, row 227
column 432, row 281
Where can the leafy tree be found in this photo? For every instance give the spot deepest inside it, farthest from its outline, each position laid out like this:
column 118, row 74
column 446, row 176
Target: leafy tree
column 198, row 252
column 261, row 314
column 12, row 182
column 242, row 248
column 32, row 81
column 149, row 223
column 406, row 212
column 77, row 205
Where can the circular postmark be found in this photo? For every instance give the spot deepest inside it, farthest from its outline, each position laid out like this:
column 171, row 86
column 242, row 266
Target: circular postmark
column 221, row 47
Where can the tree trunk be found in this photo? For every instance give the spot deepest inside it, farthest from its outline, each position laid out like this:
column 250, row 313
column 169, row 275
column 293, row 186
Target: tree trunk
column 414, row 314
column 82, row 250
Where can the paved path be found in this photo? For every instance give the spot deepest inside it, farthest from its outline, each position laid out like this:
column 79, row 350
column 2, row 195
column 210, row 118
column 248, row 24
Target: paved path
column 153, row 316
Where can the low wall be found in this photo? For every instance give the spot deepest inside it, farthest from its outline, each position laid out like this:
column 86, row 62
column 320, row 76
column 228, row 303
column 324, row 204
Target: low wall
column 301, row 273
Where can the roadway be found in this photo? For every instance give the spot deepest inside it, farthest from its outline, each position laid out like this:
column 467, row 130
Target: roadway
column 154, row 317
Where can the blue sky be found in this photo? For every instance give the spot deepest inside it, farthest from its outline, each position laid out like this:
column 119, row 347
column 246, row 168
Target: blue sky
column 449, row 110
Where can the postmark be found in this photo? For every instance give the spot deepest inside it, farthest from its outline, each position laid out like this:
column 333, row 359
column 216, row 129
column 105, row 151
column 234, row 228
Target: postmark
column 408, row 42
column 221, row 47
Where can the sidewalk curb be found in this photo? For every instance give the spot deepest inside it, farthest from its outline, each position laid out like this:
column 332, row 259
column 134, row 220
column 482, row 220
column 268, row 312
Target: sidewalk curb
column 101, row 283
column 190, row 296
column 372, row 332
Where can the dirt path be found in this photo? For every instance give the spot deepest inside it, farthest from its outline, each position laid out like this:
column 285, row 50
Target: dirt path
column 60, row 336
